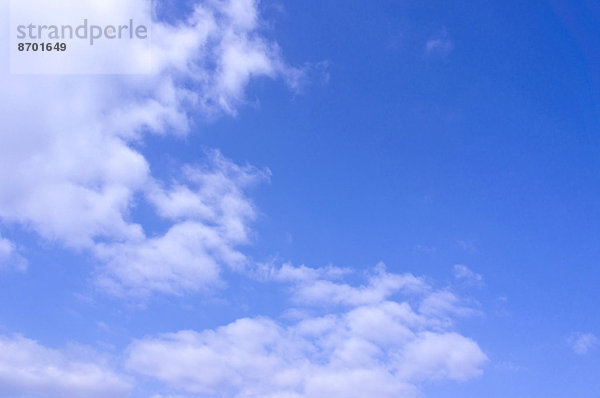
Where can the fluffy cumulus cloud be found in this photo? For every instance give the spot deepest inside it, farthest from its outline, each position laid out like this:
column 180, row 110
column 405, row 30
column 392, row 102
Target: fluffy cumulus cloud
column 71, row 168
column 210, row 216
column 365, row 344
column 375, row 339
column 28, row 369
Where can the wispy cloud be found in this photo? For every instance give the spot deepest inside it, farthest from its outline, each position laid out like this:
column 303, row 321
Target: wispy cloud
column 509, row 366
column 10, row 257
column 582, row 343
column 440, row 44
column 323, row 287
column 463, row 273
column 467, row 245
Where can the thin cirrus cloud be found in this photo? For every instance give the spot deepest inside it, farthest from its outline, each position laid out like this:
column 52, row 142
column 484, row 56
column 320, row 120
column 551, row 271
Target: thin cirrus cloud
column 369, row 345
column 465, row 274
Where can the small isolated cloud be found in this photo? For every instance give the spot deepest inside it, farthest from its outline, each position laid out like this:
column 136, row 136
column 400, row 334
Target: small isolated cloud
column 440, row 45
column 368, row 345
column 9, row 257
column 463, row 273
column 466, row 245
column 582, row 343
column 28, row 369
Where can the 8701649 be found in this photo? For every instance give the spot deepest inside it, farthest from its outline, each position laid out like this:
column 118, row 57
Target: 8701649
column 45, row 47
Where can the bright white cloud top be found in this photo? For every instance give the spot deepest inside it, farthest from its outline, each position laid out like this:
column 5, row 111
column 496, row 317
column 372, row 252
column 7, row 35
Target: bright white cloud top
column 369, row 344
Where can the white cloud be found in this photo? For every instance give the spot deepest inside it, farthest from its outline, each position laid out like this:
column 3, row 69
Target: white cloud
column 212, row 193
column 324, row 287
column 378, row 346
column 462, row 272
column 28, row 369
column 582, row 343
column 9, row 256
column 71, row 170
column 444, row 304
column 437, row 356
column 210, row 216
column 319, row 286
column 374, row 347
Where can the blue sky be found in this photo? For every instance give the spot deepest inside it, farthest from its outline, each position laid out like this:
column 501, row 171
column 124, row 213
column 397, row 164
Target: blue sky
column 296, row 150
